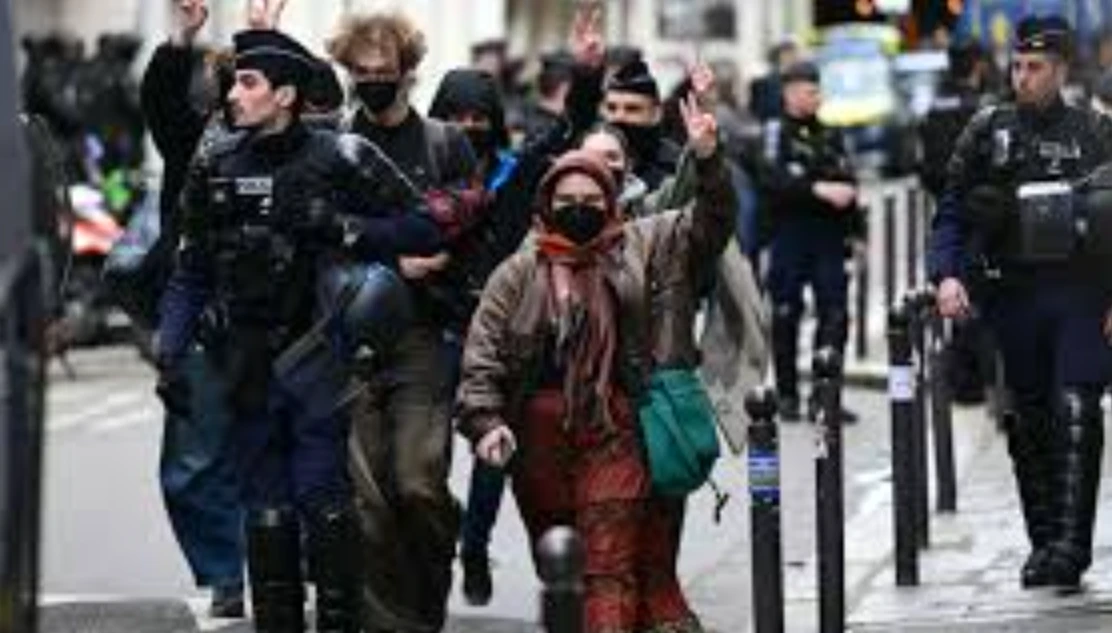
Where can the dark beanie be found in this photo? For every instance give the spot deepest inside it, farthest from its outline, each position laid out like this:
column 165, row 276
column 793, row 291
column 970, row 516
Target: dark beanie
column 281, row 58
column 635, row 77
column 578, row 161
column 801, row 71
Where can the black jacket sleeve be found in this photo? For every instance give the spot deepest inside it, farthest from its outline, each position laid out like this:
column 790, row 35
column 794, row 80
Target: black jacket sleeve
column 584, row 98
column 384, row 215
column 164, row 97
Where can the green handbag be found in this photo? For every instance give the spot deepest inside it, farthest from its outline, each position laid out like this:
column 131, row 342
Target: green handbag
column 678, row 428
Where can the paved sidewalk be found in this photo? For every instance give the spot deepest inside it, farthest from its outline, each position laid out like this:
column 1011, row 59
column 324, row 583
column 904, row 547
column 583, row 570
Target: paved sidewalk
column 969, row 576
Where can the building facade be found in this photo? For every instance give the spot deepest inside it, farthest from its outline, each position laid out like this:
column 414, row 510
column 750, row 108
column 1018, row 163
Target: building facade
column 672, row 33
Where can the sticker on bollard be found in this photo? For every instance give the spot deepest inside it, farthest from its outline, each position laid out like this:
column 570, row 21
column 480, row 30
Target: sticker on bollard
column 764, row 476
column 901, row 383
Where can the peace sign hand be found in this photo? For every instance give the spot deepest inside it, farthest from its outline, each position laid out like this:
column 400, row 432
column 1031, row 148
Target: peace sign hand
column 191, row 17
column 702, row 127
column 264, row 14
column 587, row 43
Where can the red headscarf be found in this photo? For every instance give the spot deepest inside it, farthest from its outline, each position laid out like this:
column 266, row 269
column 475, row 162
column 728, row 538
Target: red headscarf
column 579, row 301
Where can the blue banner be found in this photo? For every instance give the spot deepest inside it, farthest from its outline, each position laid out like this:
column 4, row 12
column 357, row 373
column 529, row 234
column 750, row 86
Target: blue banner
column 993, row 21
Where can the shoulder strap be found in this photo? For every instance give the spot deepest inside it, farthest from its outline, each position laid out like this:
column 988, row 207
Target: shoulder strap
column 436, row 140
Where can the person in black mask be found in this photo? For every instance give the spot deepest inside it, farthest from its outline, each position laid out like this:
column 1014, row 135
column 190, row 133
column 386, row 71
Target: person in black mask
column 630, row 102
column 400, row 453
column 381, row 53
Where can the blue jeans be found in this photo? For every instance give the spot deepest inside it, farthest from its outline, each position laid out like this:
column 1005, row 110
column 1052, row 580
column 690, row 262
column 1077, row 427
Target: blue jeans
column 483, row 502
column 197, row 475
column 292, row 449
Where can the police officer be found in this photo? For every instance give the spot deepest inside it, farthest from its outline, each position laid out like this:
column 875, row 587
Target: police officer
column 1045, row 305
column 261, row 219
column 811, row 197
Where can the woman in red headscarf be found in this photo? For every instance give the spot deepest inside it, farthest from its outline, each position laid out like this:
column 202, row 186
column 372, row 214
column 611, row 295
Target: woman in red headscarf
column 561, row 347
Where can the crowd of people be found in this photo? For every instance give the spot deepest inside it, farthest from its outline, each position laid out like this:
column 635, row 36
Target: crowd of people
column 346, row 282
column 539, row 285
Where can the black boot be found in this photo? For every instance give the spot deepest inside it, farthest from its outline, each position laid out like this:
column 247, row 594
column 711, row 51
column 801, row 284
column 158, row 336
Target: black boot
column 1082, row 444
column 785, row 355
column 478, row 587
column 274, row 567
column 332, row 548
column 1031, row 445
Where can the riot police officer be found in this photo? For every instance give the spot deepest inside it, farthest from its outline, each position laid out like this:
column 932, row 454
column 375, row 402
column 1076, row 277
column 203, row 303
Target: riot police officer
column 811, row 198
column 261, row 223
column 1008, row 195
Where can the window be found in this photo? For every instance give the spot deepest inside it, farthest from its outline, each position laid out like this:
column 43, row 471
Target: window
column 695, row 19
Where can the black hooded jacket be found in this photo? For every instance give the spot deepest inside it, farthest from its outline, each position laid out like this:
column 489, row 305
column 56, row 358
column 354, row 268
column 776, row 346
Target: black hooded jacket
column 509, row 178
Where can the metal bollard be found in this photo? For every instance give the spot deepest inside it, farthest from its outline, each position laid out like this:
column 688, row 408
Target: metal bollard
column 901, row 392
column 889, row 249
column 764, row 512
column 861, row 322
column 942, row 421
column 913, row 226
column 919, row 303
column 830, row 497
column 560, row 559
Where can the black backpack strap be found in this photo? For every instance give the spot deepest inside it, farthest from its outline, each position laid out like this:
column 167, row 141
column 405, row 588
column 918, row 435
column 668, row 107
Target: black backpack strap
column 437, row 142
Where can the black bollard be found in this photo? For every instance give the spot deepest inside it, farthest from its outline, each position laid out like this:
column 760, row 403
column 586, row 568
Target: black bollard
column 764, row 512
column 901, row 392
column 917, row 305
column 861, row 322
column 830, row 497
column 560, row 559
column 913, row 227
column 942, row 422
column 889, row 249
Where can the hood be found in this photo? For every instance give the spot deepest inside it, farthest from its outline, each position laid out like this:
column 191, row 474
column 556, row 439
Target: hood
column 469, row 89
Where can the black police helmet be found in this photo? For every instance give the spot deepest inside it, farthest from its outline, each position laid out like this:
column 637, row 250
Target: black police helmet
column 371, row 303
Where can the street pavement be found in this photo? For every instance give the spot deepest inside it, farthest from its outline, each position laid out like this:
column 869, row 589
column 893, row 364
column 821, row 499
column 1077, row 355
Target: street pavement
column 110, row 562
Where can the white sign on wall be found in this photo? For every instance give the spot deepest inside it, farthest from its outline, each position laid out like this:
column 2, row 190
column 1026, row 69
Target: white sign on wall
column 893, row 6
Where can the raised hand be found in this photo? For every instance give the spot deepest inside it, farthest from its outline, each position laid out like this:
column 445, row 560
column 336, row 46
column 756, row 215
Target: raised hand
column 264, row 14
column 702, row 127
column 190, row 16
column 587, row 42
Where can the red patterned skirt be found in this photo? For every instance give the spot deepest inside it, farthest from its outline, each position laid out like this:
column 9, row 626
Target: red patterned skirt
column 598, row 483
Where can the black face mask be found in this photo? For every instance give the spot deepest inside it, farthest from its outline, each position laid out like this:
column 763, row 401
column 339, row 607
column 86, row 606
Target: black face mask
column 644, row 141
column 377, row 96
column 482, row 141
column 580, row 223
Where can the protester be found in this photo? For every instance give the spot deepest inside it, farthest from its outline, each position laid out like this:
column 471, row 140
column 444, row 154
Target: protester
column 548, row 368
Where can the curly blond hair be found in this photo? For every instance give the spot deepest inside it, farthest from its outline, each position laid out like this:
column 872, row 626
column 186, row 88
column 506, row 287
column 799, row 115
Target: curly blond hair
column 358, row 33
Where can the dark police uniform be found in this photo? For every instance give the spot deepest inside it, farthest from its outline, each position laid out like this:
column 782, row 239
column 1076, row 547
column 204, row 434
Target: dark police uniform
column 808, row 237
column 261, row 221
column 1045, row 305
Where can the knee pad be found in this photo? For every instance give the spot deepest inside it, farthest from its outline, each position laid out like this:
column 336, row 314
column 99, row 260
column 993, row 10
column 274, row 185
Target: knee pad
column 1081, row 405
column 833, row 327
